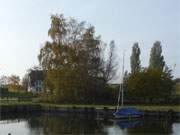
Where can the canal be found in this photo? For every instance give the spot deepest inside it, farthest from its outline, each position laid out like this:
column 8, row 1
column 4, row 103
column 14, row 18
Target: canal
column 53, row 124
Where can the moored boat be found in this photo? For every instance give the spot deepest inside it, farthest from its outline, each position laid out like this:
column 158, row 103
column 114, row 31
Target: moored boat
column 125, row 112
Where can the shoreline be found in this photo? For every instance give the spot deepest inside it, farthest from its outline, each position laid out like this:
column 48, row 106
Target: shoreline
column 175, row 108
column 104, row 111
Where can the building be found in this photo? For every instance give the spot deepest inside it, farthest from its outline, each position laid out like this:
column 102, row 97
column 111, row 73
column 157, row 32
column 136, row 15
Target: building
column 35, row 80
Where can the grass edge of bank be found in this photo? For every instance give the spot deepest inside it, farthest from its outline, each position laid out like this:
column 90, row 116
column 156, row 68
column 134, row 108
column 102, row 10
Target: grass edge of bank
column 140, row 107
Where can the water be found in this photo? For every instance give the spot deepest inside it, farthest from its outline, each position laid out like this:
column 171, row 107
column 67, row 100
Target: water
column 50, row 124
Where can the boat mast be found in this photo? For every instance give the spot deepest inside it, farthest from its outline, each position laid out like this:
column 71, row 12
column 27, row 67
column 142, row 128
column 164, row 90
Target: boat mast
column 118, row 97
column 121, row 92
column 122, row 85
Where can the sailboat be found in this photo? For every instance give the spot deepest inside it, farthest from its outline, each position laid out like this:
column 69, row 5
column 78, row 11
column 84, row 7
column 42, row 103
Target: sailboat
column 125, row 112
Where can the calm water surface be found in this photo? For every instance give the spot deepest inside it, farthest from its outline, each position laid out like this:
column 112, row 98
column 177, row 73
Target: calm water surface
column 49, row 124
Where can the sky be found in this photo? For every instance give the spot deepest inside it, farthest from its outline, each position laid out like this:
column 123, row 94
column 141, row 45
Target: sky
column 24, row 25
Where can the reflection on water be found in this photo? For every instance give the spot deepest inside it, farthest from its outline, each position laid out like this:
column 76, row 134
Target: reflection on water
column 123, row 124
column 79, row 124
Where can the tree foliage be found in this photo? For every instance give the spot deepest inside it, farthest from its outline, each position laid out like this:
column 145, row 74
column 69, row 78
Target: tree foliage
column 150, row 84
column 135, row 59
column 154, row 82
column 12, row 82
column 73, row 64
column 156, row 58
column 109, row 70
column 4, row 80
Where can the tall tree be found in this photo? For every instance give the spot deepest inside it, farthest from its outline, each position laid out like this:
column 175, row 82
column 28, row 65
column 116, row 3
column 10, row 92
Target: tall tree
column 72, row 61
column 156, row 57
column 111, row 64
column 135, row 59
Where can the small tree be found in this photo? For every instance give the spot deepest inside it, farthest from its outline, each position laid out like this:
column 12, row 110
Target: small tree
column 14, row 83
column 4, row 81
column 14, row 80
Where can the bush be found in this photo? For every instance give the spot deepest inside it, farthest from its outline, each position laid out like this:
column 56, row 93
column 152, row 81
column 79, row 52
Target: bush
column 3, row 92
column 150, row 85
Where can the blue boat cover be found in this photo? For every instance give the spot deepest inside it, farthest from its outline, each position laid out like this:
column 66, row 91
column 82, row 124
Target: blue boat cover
column 127, row 111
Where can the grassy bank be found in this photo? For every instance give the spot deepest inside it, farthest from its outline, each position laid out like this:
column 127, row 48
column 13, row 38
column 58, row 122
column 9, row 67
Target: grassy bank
column 16, row 103
column 141, row 107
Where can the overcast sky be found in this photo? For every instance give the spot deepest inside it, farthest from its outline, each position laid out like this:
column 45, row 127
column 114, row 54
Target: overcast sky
column 24, row 25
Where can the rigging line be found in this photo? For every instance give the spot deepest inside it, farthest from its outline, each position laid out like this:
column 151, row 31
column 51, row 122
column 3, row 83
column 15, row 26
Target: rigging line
column 121, row 92
column 122, row 85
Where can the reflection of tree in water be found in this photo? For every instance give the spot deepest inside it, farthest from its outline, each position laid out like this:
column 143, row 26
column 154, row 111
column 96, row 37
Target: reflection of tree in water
column 66, row 124
column 80, row 124
column 17, row 117
column 34, row 122
column 152, row 126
